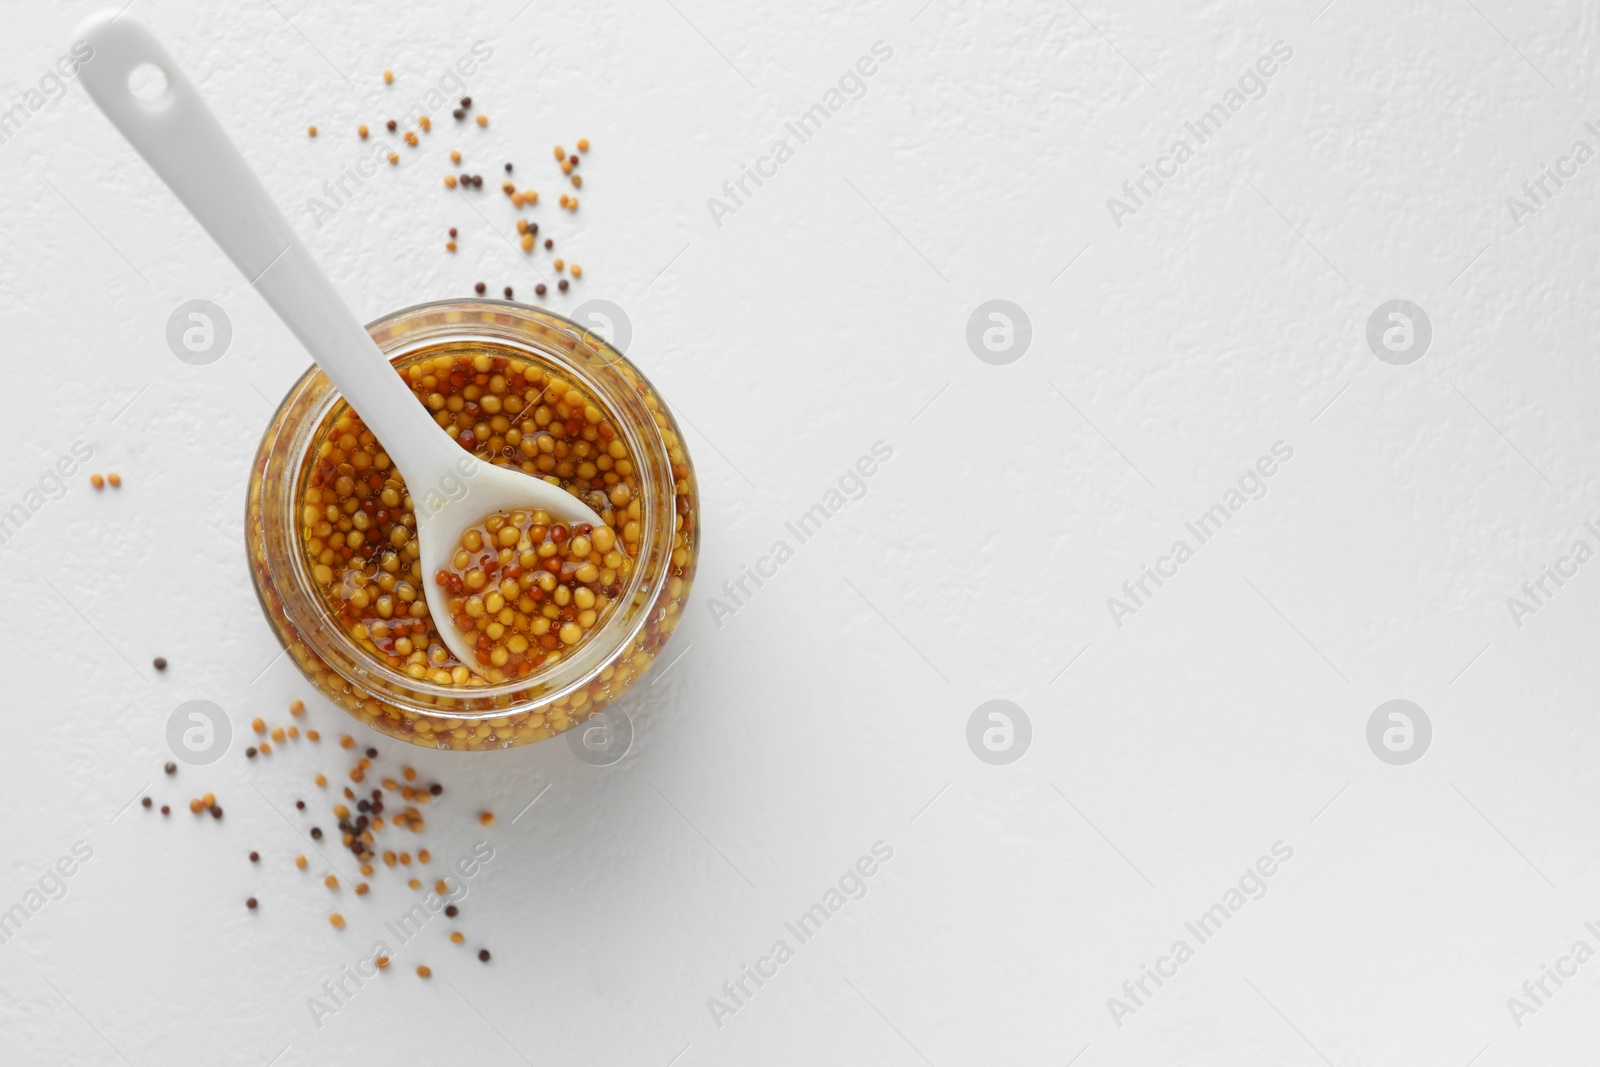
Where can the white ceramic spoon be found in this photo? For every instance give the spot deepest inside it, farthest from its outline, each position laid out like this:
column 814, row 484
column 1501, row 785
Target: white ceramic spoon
column 183, row 142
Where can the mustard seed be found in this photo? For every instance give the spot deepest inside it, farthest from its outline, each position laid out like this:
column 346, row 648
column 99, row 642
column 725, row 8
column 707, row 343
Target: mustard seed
column 97, row 481
column 115, row 480
column 251, row 903
column 452, row 911
column 170, row 768
column 479, row 288
column 483, row 954
column 337, row 920
column 311, row 131
column 388, row 77
column 424, row 972
column 255, row 857
column 297, row 708
column 362, row 131
column 583, row 144
column 456, row 937
column 147, row 802
column 166, row 810
column 390, row 125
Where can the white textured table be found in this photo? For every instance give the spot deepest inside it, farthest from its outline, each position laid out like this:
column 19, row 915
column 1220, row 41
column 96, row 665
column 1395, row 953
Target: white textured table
column 1184, row 725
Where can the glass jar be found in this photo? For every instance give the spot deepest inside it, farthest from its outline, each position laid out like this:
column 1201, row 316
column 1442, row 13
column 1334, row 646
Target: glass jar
column 624, row 643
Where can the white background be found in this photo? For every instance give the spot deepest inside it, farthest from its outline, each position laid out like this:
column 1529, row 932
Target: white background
column 827, row 313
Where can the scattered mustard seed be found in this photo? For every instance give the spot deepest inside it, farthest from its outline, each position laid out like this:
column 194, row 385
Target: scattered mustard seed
column 337, row 920
column 97, row 481
column 388, row 77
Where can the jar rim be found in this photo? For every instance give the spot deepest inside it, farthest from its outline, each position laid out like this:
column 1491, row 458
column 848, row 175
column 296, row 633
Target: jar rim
column 578, row 354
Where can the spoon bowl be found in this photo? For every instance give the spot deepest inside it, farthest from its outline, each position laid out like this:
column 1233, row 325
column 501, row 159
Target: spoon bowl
column 451, row 489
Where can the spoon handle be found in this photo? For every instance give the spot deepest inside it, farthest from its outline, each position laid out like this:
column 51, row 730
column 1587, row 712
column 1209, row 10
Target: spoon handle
column 185, row 144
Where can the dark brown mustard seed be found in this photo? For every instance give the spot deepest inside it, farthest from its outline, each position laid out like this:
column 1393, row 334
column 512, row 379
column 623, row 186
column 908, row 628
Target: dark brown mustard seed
column 300, row 804
column 160, row 663
column 216, row 811
column 508, row 292
column 372, row 753
column 250, row 753
column 549, row 244
column 166, row 809
column 466, row 101
column 562, row 285
column 171, row 768
column 508, row 168
column 316, row 833
column 479, row 288
column 390, row 125
column 483, row 954
column 147, row 802
column 540, row 290
column 255, row 857
column 436, row 789
column 452, row 911
column 251, row 903
column 452, row 231
column 458, row 114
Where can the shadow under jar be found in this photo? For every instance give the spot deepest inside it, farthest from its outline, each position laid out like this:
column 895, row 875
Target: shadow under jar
column 330, row 533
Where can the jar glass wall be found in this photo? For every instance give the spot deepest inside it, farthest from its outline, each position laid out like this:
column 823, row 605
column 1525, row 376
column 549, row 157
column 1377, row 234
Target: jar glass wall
column 658, row 528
